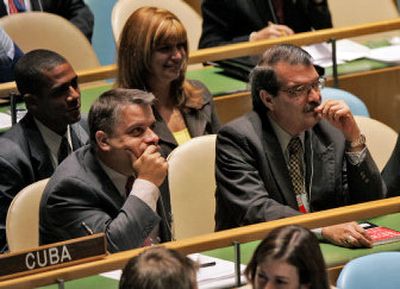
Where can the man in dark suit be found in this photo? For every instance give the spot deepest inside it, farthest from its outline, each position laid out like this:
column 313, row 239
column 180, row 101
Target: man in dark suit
column 31, row 149
column 111, row 185
column 75, row 11
column 292, row 154
column 230, row 21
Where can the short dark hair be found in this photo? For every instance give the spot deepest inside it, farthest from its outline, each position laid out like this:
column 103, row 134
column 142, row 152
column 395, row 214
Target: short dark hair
column 103, row 114
column 29, row 70
column 298, row 247
column 159, row 268
column 263, row 76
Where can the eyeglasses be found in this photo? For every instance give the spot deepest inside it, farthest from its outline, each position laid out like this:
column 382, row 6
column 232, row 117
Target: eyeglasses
column 305, row 89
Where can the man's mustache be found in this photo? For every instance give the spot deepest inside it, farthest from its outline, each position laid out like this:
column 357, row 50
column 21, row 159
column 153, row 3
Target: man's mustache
column 310, row 107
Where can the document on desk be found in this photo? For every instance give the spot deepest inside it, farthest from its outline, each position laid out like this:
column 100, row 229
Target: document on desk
column 5, row 120
column 215, row 273
column 388, row 54
column 220, row 275
column 346, row 50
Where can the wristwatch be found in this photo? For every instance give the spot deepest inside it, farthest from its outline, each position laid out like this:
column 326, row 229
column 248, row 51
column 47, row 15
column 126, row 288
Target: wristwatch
column 357, row 142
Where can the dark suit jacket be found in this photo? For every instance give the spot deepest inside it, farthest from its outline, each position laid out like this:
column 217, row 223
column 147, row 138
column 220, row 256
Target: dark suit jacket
column 230, row 21
column 75, row 11
column 253, row 182
column 25, row 159
column 198, row 121
column 79, row 191
column 391, row 172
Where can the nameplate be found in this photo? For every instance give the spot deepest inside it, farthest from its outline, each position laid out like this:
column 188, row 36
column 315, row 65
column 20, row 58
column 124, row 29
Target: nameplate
column 52, row 256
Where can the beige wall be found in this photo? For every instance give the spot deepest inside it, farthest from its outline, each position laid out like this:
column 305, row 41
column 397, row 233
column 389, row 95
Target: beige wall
column 195, row 4
column 353, row 12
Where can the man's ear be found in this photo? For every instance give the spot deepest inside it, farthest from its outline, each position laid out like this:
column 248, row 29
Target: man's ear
column 31, row 101
column 102, row 141
column 267, row 99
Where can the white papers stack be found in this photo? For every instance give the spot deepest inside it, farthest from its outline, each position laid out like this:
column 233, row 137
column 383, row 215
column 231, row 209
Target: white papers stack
column 389, row 54
column 5, row 120
column 220, row 275
column 346, row 50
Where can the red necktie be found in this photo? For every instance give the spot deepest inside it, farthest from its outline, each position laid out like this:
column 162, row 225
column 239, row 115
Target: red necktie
column 16, row 6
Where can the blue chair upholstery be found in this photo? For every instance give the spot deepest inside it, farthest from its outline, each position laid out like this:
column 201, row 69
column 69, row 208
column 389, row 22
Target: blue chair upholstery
column 357, row 106
column 375, row 271
column 102, row 40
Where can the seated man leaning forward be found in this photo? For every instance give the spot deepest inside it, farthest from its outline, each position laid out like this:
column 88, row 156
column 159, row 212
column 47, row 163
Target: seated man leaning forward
column 292, row 154
column 111, row 185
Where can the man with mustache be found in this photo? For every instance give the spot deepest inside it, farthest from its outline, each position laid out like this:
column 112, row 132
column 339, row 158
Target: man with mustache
column 293, row 154
column 111, row 185
column 33, row 148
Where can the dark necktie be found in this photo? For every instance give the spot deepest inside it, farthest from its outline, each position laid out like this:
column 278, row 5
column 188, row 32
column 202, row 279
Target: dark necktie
column 279, row 11
column 64, row 149
column 16, row 6
column 128, row 185
column 295, row 166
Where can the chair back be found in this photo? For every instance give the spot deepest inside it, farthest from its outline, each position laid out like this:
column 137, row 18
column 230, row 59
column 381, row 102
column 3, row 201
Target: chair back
column 22, row 222
column 192, row 187
column 381, row 139
column 186, row 14
column 43, row 30
column 379, row 270
column 356, row 105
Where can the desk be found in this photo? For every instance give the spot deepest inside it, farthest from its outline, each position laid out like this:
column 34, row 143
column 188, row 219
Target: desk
column 333, row 255
column 376, row 83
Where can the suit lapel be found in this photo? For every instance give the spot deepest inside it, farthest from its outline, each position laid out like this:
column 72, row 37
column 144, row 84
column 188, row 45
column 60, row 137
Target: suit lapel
column 274, row 155
column 263, row 11
column 3, row 9
column 79, row 136
column 40, row 156
column 35, row 5
column 321, row 175
column 162, row 130
column 196, row 122
column 111, row 193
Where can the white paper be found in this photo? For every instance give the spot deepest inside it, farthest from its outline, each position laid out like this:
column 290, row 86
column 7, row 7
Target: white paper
column 389, row 54
column 5, row 120
column 220, row 275
column 346, row 50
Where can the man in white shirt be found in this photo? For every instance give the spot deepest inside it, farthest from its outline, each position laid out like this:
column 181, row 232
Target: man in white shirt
column 111, row 185
column 31, row 149
column 9, row 55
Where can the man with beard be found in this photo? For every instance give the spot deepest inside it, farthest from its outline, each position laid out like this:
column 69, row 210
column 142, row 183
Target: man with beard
column 33, row 148
column 293, row 154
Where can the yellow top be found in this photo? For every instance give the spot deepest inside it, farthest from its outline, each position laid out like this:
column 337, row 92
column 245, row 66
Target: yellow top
column 182, row 136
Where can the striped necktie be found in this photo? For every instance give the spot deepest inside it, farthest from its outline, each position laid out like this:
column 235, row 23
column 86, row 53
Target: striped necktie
column 16, row 6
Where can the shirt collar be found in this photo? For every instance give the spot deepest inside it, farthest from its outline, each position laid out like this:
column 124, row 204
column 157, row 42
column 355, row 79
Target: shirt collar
column 284, row 137
column 53, row 140
column 118, row 179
